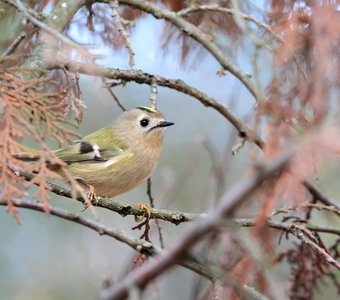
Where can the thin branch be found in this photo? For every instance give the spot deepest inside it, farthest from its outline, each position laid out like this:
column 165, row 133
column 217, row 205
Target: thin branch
column 42, row 25
column 124, row 209
column 153, row 94
column 321, row 251
column 240, row 21
column 113, row 95
column 199, row 36
column 317, row 194
column 138, row 245
column 228, row 204
column 120, row 22
column 141, row 77
column 11, row 48
column 152, row 205
column 288, row 227
column 213, row 7
column 175, row 217
column 307, row 205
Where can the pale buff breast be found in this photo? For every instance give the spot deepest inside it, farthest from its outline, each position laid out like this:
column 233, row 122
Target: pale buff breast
column 117, row 175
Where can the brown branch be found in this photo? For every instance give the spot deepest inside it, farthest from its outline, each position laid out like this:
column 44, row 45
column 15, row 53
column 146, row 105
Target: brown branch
column 307, row 240
column 124, row 209
column 113, row 95
column 138, row 245
column 11, row 48
column 289, row 227
column 216, row 8
column 120, row 22
column 317, row 194
column 228, row 204
column 141, row 77
column 57, row 21
column 152, row 205
column 48, row 28
column 175, row 217
column 199, row 36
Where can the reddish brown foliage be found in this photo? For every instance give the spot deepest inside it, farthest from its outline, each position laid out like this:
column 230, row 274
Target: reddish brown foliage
column 31, row 109
column 302, row 90
column 307, row 269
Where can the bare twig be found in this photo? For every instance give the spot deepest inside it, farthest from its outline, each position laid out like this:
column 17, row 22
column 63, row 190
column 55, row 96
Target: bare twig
column 11, row 48
column 240, row 21
column 153, row 94
column 120, row 22
column 198, row 35
column 308, row 205
column 152, row 204
column 138, row 245
column 307, row 240
column 289, row 227
column 317, row 194
column 175, row 217
column 139, row 76
column 43, row 25
column 213, row 7
column 124, row 209
column 113, row 95
column 229, row 203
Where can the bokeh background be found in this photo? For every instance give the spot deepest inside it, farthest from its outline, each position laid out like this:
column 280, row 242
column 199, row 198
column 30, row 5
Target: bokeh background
column 49, row 258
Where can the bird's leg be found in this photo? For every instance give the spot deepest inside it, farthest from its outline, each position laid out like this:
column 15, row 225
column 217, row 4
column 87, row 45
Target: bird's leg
column 146, row 208
column 91, row 193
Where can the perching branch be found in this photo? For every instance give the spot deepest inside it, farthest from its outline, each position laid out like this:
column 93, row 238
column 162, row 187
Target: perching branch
column 175, row 217
column 228, row 204
column 139, row 76
column 139, row 245
column 124, row 209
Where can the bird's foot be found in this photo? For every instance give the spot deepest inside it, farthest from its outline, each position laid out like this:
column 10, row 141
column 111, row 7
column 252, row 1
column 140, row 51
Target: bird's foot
column 92, row 198
column 145, row 223
column 146, row 209
column 92, row 195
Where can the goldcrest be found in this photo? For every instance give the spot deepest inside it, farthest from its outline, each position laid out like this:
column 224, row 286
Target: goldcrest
column 118, row 157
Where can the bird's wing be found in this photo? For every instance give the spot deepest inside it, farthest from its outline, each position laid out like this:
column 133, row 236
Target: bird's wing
column 98, row 146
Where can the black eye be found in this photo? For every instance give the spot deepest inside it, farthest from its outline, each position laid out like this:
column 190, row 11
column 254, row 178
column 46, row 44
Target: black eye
column 144, row 122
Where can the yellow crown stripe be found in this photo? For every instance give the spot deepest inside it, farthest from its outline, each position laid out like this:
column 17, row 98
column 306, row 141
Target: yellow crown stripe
column 147, row 108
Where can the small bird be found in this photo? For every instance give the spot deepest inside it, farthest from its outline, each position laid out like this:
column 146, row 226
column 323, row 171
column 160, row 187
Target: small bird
column 118, row 157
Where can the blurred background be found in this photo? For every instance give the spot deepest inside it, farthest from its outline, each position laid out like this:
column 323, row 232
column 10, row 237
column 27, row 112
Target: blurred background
column 49, row 258
column 34, row 255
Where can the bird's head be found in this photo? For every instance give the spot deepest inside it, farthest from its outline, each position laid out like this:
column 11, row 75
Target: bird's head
column 143, row 124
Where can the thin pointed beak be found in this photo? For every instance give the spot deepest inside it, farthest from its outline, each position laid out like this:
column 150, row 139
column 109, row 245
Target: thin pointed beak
column 165, row 124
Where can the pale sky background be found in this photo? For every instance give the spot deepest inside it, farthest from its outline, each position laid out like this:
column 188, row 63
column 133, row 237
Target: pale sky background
column 53, row 259
column 48, row 258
